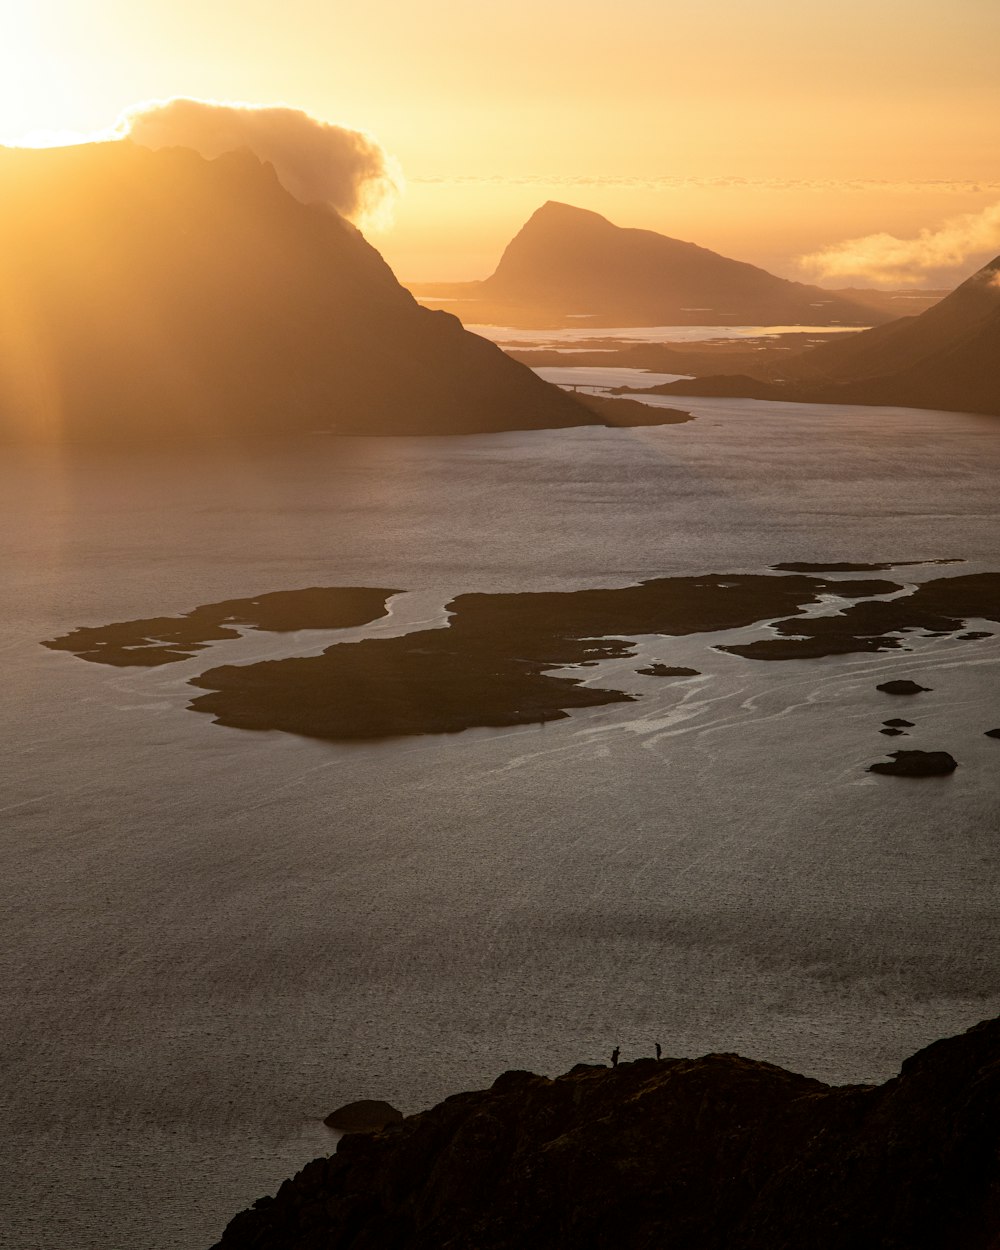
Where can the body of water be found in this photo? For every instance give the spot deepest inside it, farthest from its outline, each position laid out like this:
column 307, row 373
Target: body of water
column 211, row 938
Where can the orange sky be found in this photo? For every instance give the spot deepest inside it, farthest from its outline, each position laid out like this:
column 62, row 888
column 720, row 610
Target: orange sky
column 763, row 129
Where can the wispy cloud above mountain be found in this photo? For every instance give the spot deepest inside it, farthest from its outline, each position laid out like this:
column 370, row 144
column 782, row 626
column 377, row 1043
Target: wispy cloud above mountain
column 932, row 253
column 315, row 161
column 735, row 182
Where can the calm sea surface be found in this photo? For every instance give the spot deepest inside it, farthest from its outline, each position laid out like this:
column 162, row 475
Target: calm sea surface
column 211, row 938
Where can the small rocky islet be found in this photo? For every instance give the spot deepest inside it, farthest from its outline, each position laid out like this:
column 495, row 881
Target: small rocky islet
column 916, row 764
column 366, row 1115
column 667, row 670
column 902, row 686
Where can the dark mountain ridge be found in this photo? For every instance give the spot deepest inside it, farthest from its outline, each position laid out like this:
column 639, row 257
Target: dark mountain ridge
column 946, row 358
column 568, row 261
column 719, row 1153
column 909, row 342
column 158, row 294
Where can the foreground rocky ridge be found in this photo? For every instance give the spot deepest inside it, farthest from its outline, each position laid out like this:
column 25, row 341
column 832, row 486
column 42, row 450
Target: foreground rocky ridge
column 719, row 1153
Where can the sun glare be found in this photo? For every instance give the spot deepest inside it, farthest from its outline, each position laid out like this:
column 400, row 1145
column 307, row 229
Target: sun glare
column 39, row 94
column 55, row 138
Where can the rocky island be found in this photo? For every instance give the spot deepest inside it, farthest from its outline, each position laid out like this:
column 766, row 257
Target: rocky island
column 169, row 639
column 937, row 607
column 916, row 764
column 497, row 661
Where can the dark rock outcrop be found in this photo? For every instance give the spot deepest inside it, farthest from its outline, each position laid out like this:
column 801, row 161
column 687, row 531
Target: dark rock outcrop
column 937, row 608
column 627, row 413
column 158, row 295
column 159, row 640
column 992, row 733
column 667, row 670
column 916, row 764
column 367, row 1115
column 719, row 1153
column 898, row 722
column 902, row 686
column 852, row 566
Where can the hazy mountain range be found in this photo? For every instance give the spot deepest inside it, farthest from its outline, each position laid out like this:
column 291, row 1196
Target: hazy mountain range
column 159, row 294
column 152, row 294
column 568, row 263
column 947, row 358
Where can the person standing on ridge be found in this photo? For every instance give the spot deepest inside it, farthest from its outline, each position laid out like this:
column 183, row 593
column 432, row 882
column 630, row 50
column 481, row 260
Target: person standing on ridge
column 659, row 1051
column 614, row 1056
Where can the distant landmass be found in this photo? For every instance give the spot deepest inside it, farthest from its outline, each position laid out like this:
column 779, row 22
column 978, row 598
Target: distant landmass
column 158, row 294
column 568, row 265
column 947, row 358
column 718, row 1153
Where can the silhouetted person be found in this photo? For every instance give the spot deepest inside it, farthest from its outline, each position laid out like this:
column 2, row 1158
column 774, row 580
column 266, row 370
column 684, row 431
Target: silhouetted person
column 614, row 1056
column 659, row 1051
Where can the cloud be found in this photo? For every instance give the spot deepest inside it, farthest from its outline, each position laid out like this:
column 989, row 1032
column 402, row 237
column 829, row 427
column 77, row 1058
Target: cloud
column 885, row 258
column 315, row 161
column 722, row 182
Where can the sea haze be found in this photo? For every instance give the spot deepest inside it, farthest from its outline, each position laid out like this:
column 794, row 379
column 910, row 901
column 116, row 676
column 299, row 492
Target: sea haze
column 574, row 336
column 211, row 937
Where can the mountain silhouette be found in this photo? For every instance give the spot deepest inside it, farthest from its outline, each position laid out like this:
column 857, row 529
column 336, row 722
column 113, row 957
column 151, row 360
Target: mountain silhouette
column 569, row 262
column 158, row 294
column 717, row 1153
column 945, row 358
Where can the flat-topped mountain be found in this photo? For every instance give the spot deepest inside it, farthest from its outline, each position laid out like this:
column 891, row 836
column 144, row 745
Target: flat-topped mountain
column 567, row 262
column 719, row 1153
column 150, row 294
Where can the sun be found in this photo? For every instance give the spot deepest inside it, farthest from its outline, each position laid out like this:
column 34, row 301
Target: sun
column 40, row 91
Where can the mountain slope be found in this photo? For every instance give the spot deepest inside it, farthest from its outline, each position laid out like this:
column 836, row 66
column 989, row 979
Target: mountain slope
column 719, row 1153
column 947, row 358
column 569, row 261
column 154, row 294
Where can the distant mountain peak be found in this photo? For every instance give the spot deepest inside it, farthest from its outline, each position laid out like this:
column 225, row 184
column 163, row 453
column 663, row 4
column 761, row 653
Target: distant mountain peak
column 572, row 261
column 557, row 209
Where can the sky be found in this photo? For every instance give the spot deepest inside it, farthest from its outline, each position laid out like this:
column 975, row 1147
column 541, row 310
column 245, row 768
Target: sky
column 770, row 131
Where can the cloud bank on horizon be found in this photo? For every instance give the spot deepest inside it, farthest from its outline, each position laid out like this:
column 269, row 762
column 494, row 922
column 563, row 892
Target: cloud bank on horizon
column 934, row 252
column 316, row 161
